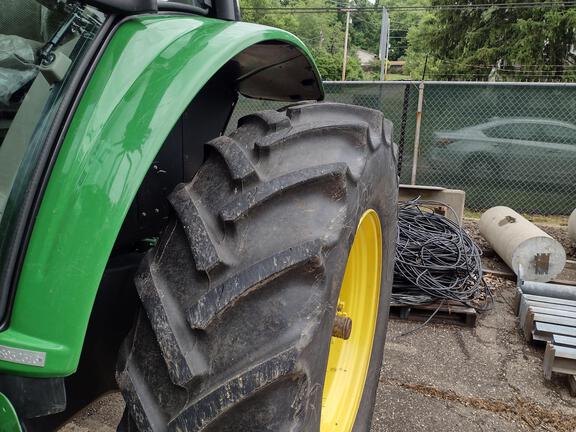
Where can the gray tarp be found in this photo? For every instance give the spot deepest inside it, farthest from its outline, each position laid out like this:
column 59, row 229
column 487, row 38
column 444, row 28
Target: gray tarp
column 17, row 66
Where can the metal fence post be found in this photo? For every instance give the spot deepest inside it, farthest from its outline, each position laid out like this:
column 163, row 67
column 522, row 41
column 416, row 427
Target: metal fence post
column 417, row 133
column 403, row 121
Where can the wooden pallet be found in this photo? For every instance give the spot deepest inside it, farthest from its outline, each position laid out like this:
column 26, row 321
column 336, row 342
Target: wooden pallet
column 510, row 275
column 448, row 313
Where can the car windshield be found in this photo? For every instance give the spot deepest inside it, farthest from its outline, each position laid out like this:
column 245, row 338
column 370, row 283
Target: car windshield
column 40, row 41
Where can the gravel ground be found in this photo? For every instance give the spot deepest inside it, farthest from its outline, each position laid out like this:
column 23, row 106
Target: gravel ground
column 447, row 378
column 444, row 378
column 560, row 233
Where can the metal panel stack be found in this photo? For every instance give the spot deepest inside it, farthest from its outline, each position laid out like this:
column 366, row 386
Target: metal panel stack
column 547, row 312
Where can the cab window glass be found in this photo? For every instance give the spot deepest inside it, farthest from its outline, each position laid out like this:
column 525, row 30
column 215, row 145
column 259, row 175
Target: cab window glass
column 39, row 43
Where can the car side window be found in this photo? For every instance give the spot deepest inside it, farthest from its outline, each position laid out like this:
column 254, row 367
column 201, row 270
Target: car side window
column 498, row 132
column 533, row 131
column 559, row 134
column 514, row 131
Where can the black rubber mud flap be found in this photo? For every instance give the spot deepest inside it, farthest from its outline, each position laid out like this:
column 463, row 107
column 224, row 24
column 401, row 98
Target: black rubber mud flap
column 239, row 294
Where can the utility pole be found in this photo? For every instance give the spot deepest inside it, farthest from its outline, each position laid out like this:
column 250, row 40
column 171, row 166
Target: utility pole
column 344, row 61
column 384, row 42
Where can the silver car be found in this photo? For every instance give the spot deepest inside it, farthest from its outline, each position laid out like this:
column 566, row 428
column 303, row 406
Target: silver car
column 531, row 150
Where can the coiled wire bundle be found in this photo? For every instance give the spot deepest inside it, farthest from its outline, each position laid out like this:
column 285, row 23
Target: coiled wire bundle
column 435, row 259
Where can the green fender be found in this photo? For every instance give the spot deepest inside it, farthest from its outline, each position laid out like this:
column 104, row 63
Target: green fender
column 8, row 418
column 150, row 71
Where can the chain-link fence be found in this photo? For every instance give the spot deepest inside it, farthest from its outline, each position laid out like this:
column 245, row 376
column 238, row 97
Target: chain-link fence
column 510, row 144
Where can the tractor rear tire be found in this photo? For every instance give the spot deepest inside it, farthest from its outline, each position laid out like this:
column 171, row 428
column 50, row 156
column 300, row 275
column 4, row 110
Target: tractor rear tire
column 240, row 294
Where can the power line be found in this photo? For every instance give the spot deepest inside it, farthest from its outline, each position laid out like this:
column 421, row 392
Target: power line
column 481, row 6
column 513, row 71
column 472, row 75
column 512, row 65
column 517, row 68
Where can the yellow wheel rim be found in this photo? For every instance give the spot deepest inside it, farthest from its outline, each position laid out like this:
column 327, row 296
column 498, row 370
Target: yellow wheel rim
column 349, row 359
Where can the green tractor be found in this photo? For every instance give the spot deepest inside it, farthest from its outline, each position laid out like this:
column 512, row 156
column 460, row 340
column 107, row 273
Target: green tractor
column 234, row 282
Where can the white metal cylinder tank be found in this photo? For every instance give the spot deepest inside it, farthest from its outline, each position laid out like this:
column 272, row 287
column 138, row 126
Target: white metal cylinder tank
column 572, row 226
column 520, row 242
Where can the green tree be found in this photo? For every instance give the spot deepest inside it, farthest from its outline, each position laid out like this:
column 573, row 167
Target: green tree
column 365, row 27
column 262, row 16
column 401, row 22
column 418, row 54
column 323, row 33
column 522, row 43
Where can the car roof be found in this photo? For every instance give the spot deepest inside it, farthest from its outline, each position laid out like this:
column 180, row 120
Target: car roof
column 516, row 120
